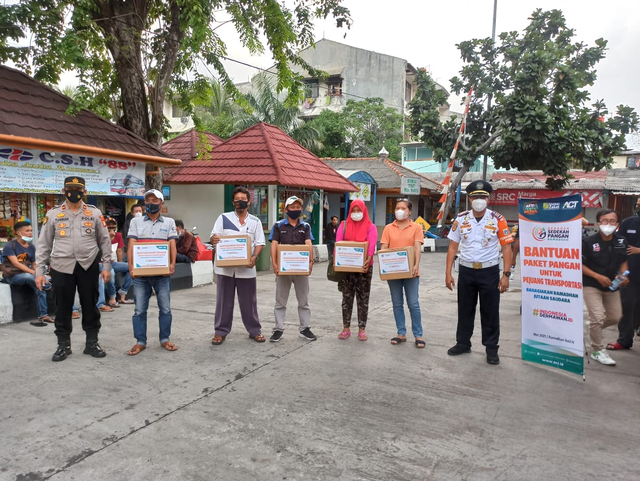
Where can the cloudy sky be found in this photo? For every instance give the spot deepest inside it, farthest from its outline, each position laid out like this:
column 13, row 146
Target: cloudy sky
column 425, row 32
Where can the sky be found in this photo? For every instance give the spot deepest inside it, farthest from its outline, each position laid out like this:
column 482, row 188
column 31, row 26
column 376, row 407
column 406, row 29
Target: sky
column 425, row 33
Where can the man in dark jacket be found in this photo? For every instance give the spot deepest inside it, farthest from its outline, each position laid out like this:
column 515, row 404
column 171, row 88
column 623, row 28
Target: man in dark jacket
column 187, row 246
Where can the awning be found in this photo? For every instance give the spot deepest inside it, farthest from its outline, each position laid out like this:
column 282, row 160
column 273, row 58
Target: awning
column 590, row 198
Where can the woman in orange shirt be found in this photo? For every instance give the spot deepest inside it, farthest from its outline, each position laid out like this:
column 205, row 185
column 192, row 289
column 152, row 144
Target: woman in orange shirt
column 403, row 232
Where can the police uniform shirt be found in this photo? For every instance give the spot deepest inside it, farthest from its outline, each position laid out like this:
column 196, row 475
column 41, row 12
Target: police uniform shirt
column 229, row 224
column 79, row 237
column 603, row 257
column 630, row 230
column 285, row 233
column 480, row 240
column 143, row 229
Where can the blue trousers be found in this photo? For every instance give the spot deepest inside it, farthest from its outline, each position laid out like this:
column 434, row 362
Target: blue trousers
column 410, row 288
column 142, row 288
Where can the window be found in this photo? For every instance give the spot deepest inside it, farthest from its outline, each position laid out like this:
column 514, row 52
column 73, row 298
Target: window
column 177, row 112
column 312, row 89
column 407, row 92
column 633, row 162
column 334, row 87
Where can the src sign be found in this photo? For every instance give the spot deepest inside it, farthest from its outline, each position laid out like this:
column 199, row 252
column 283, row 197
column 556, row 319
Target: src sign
column 590, row 198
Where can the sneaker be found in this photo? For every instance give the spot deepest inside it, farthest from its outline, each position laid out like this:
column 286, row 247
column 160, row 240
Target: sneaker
column 458, row 349
column 276, row 336
column 308, row 335
column 603, row 358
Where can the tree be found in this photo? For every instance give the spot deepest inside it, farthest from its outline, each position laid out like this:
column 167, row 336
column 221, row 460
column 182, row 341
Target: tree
column 140, row 49
column 217, row 113
column 263, row 104
column 330, row 124
column 369, row 126
column 540, row 118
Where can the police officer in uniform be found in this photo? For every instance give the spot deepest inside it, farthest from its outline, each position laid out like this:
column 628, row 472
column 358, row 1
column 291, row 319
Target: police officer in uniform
column 479, row 233
column 72, row 237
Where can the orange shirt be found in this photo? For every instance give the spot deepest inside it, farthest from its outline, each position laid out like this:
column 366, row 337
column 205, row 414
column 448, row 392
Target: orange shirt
column 397, row 237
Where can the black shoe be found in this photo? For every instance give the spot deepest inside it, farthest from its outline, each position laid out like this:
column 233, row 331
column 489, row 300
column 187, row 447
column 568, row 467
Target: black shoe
column 308, row 335
column 493, row 358
column 276, row 336
column 458, row 349
column 62, row 352
column 94, row 349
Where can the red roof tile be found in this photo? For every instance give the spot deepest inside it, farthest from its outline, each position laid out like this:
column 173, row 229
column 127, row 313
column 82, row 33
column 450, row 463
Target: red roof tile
column 186, row 146
column 262, row 154
column 29, row 108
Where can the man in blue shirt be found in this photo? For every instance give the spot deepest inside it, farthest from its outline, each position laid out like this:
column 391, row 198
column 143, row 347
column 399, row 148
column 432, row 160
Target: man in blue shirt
column 20, row 267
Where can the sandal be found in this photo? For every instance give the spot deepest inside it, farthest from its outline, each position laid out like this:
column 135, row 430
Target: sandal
column 344, row 335
column 362, row 336
column 128, row 301
column 169, row 346
column 137, row 349
column 615, row 346
column 217, row 340
column 115, row 305
column 106, row 308
column 75, row 315
column 48, row 319
column 258, row 338
column 420, row 343
column 398, row 340
column 38, row 323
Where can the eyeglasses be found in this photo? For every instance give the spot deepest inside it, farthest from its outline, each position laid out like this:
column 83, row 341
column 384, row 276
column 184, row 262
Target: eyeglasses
column 607, row 222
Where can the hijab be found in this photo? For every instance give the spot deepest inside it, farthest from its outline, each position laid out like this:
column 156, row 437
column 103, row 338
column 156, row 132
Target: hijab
column 358, row 231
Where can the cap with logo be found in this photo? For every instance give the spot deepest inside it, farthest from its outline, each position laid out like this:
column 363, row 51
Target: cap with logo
column 479, row 187
column 74, row 181
column 155, row 192
column 292, row 200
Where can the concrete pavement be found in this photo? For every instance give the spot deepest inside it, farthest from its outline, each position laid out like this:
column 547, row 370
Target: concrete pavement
column 294, row 410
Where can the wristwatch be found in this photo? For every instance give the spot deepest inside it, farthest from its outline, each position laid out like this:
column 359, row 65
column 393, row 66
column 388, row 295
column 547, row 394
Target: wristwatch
column 507, row 273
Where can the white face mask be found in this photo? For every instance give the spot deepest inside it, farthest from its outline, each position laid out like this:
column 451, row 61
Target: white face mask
column 137, row 214
column 402, row 214
column 608, row 229
column 357, row 216
column 479, row 204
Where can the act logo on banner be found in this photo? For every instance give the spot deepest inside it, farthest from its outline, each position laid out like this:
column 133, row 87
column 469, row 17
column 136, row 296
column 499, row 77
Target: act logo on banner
column 551, row 268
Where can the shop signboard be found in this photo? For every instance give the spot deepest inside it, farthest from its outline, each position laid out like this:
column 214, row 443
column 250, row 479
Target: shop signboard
column 551, row 266
column 410, row 186
column 42, row 172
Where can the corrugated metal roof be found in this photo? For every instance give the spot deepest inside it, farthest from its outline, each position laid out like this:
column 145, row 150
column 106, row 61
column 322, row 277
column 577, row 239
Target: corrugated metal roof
column 261, row 155
column 29, row 108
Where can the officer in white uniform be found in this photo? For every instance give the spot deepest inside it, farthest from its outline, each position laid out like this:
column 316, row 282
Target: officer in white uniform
column 479, row 233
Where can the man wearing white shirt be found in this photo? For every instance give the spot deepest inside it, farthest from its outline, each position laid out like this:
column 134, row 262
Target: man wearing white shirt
column 242, row 279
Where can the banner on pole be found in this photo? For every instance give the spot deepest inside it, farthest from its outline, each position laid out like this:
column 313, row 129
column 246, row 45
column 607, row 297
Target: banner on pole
column 550, row 233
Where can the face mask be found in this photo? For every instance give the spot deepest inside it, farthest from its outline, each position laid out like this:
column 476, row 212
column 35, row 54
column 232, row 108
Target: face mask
column 241, row 204
column 181, row 233
column 73, row 196
column 357, row 216
column 294, row 214
column 479, row 204
column 27, row 239
column 608, row 229
column 137, row 214
column 402, row 214
column 153, row 208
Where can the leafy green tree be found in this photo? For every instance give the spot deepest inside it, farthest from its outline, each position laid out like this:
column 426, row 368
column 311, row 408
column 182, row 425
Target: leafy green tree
column 541, row 117
column 331, row 126
column 142, row 49
column 263, row 104
column 216, row 113
column 369, row 125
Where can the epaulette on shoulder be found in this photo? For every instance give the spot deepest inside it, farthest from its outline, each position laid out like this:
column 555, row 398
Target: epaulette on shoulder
column 496, row 215
column 466, row 212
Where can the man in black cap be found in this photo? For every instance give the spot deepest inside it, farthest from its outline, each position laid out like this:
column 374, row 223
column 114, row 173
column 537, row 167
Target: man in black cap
column 80, row 233
column 479, row 233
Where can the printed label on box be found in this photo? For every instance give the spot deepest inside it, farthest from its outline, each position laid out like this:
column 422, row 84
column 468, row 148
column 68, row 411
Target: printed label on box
column 349, row 256
column 294, row 261
column 393, row 262
column 234, row 248
column 150, row 256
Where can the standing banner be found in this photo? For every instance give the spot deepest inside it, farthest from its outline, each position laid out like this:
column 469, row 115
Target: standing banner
column 550, row 233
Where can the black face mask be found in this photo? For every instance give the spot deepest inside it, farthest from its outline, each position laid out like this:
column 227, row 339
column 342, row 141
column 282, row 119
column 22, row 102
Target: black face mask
column 241, row 204
column 153, row 208
column 73, row 196
column 294, row 214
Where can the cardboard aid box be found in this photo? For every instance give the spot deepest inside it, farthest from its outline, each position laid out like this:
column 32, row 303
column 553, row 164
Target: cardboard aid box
column 350, row 256
column 151, row 259
column 294, row 260
column 396, row 263
column 233, row 251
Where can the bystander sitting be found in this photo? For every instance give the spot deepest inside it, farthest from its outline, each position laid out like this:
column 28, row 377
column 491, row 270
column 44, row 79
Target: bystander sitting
column 187, row 246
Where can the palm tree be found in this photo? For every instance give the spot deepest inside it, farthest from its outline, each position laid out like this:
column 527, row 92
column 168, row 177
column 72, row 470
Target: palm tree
column 264, row 105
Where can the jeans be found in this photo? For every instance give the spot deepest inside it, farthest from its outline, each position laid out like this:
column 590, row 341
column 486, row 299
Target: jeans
column 30, row 280
column 410, row 287
column 111, row 288
column 111, row 285
column 142, row 288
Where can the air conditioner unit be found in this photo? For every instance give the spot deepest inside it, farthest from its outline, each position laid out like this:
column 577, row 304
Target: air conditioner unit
column 184, row 120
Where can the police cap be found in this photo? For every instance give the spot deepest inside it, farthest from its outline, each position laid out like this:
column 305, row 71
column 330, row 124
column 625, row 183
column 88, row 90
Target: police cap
column 479, row 187
column 74, row 181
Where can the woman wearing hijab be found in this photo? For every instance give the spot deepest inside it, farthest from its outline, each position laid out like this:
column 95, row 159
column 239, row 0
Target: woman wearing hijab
column 357, row 285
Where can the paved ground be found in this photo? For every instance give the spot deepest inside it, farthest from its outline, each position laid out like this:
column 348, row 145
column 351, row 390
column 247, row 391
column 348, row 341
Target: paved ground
column 331, row 409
